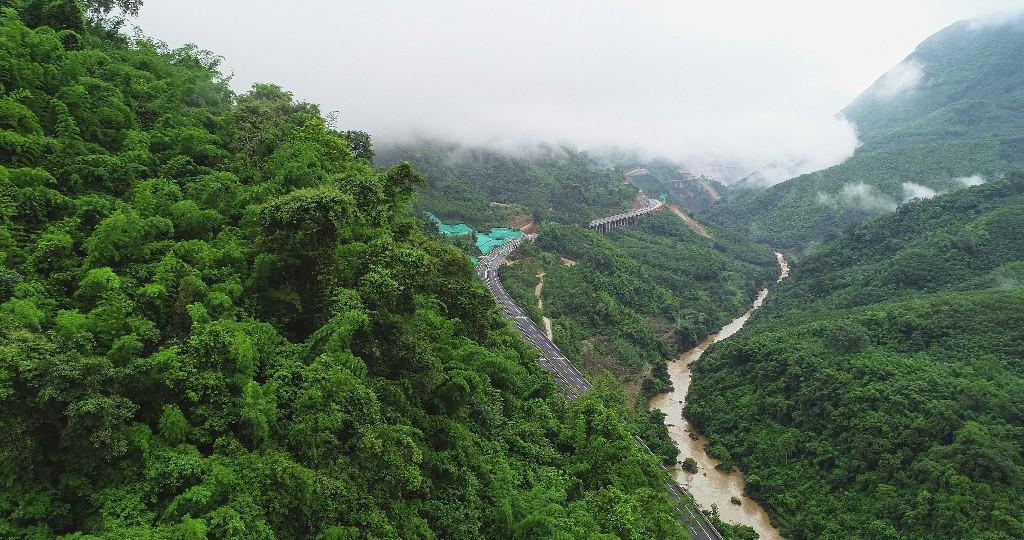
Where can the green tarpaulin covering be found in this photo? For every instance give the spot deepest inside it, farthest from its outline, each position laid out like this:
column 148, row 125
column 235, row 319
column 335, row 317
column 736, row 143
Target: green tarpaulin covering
column 459, row 229
column 498, row 236
column 485, row 242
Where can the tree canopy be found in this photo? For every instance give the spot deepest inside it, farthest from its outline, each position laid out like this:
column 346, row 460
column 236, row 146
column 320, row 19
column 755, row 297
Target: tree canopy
column 219, row 320
column 878, row 392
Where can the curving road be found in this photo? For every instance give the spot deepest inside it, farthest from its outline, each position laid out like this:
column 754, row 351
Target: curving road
column 631, row 217
column 551, row 358
column 571, row 380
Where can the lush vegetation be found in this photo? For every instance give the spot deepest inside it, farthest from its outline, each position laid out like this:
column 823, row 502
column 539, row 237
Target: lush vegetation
column 544, row 183
column 648, row 292
column 218, row 320
column 880, row 392
column 623, row 303
column 963, row 119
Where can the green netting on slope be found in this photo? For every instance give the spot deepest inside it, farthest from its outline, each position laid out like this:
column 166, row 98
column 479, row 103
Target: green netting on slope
column 459, row 229
column 502, row 233
column 498, row 236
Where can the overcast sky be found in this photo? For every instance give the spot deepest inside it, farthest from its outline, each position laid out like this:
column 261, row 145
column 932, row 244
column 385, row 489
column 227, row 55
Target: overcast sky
column 754, row 82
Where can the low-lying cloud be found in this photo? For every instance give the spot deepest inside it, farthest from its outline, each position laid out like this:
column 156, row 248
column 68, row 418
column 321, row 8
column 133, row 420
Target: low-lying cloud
column 1011, row 16
column 859, row 196
column 869, row 198
column 691, row 82
column 968, row 181
column 913, row 190
column 900, row 79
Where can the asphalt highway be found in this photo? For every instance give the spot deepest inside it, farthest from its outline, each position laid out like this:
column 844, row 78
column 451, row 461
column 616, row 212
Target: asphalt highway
column 552, row 359
column 570, row 378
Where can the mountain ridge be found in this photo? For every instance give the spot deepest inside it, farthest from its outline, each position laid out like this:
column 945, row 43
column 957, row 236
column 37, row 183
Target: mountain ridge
column 959, row 115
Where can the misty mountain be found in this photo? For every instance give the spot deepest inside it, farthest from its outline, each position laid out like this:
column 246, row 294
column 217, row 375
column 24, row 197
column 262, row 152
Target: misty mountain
column 949, row 115
column 487, row 186
column 963, row 83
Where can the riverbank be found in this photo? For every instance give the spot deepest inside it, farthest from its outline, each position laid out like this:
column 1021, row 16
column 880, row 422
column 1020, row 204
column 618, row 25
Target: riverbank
column 710, row 485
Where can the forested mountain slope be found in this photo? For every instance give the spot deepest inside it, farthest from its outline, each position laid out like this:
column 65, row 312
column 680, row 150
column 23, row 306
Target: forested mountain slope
column 544, row 182
column 624, row 302
column 963, row 83
column 218, row 320
column 950, row 115
column 880, row 391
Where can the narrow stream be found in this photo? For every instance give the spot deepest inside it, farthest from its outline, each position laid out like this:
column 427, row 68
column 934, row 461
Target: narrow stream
column 709, row 485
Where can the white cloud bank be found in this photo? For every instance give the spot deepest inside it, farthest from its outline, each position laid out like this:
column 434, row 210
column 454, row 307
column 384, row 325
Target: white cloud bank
column 734, row 83
column 968, row 181
column 913, row 190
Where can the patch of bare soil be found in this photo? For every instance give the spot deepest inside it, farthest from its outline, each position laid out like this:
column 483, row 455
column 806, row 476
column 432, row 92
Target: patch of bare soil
column 697, row 228
column 540, row 305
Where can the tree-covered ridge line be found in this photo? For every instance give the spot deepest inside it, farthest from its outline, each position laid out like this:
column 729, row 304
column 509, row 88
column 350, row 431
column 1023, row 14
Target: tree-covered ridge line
column 218, row 320
column 961, row 123
column 878, row 393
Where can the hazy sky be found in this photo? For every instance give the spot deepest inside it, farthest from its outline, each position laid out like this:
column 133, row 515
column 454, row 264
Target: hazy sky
column 755, row 82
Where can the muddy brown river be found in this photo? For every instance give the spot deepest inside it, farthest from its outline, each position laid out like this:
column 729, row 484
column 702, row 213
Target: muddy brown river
column 709, row 485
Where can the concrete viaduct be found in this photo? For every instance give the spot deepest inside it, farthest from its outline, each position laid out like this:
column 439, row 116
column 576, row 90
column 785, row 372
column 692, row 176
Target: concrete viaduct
column 605, row 224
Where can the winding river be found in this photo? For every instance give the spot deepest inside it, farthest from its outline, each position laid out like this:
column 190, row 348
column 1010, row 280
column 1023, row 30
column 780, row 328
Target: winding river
column 709, row 485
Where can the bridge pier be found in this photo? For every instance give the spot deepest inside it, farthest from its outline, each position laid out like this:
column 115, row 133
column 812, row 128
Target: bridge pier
column 602, row 226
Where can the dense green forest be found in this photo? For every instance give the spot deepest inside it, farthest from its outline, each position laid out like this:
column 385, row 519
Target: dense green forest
column 219, row 320
column 880, row 391
column 649, row 292
column 963, row 120
column 543, row 182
